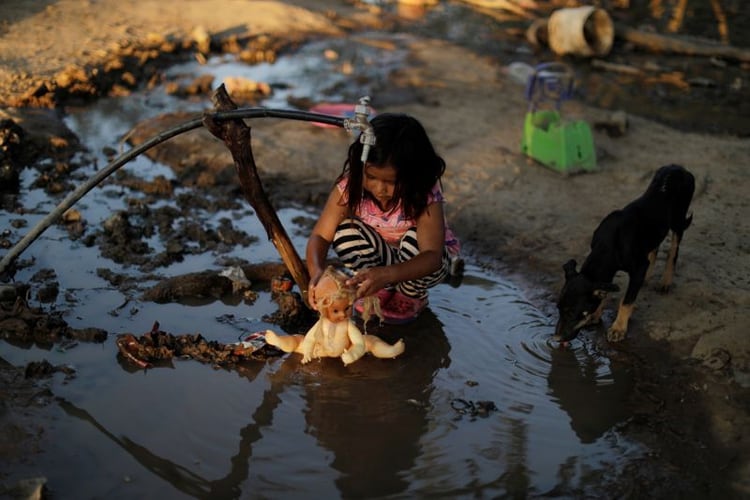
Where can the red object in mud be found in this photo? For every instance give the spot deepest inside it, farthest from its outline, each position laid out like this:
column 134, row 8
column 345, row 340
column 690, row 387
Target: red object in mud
column 129, row 347
column 344, row 110
column 251, row 343
column 281, row 284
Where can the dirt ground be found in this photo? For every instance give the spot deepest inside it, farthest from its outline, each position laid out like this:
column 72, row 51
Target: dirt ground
column 513, row 216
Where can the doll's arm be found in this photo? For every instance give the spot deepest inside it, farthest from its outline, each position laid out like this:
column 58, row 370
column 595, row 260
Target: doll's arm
column 357, row 348
column 307, row 345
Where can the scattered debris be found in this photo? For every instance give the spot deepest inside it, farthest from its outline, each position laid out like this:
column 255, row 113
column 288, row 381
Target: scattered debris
column 158, row 346
column 31, row 488
column 718, row 359
column 614, row 125
column 236, row 275
column 40, row 369
column 473, row 408
column 21, row 323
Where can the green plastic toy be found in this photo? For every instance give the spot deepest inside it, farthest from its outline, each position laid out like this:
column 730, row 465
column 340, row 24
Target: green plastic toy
column 565, row 146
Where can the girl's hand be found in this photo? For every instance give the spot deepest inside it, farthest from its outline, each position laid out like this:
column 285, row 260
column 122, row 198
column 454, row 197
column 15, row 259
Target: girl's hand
column 311, row 290
column 370, row 280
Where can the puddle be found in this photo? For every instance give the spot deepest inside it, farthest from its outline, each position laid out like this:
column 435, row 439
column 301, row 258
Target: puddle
column 355, row 66
column 400, row 428
column 378, row 427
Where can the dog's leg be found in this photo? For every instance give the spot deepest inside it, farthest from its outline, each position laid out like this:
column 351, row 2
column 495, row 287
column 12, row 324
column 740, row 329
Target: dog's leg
column 619, row 328
column 651, row 261
column 666, row 281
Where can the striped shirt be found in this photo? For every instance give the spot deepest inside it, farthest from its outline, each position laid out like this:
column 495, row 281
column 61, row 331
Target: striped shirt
column 393, row 224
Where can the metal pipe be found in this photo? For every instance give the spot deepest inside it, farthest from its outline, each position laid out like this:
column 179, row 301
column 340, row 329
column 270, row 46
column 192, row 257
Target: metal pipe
column 361, row 122
column 124, row 158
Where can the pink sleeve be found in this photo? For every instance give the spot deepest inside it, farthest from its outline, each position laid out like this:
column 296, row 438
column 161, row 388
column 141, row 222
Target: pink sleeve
column 436, row 195
column 342, row 185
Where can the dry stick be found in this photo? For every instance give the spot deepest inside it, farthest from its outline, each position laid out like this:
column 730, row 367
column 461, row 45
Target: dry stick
column 721, row 20
column 657, row 9
column 616, row 68
column 526, row 9
column 677, row 16
column 236, row 135
column 660, row 43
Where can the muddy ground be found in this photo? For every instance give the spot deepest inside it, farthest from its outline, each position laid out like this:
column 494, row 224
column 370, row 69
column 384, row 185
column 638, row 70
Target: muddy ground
column 690, row 346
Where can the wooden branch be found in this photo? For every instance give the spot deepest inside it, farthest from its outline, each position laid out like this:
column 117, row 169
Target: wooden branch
column 236, row 135
column 675, row 78
column 661, row 43
column 721, row 20
column 677, row 16
column 522, row 8
column 616, row 68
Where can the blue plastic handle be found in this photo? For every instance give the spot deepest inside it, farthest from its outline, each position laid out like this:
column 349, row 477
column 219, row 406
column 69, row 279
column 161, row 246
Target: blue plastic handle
column 550, row 82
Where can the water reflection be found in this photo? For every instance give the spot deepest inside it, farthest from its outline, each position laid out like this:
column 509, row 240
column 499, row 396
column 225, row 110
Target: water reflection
column 515, row 481
column 372, row 414
column 181, row 478
column 590, row 389
column 377, row 428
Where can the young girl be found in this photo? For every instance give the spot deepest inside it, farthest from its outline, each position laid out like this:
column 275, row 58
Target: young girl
column 384, row 218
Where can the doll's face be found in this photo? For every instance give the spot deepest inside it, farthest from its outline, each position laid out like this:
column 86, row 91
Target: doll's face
column 339, row 310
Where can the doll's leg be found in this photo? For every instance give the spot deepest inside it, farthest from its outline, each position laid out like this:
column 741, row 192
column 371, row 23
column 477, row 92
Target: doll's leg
column 381, row 349
column 287, row 343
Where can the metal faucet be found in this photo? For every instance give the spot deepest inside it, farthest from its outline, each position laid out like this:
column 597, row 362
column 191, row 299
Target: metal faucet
column 360, row 122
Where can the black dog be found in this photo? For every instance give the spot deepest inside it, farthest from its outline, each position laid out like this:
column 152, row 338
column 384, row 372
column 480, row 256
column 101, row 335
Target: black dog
column 626, row 240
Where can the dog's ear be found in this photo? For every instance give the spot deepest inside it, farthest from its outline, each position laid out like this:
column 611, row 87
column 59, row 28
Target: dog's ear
column 570, row 269
column 602, row 289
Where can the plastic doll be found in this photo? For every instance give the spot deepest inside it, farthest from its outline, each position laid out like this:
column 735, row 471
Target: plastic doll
column 335, row 334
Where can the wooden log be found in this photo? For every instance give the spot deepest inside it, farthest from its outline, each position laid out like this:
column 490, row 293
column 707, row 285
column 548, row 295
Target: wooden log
column 615, row 67
column 661, row 43
column 522, row 8
column 236, row 135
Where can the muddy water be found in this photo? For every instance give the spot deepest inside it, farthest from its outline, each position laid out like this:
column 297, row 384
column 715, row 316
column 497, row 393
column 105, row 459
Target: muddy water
column 481, row 404
column 402, row 427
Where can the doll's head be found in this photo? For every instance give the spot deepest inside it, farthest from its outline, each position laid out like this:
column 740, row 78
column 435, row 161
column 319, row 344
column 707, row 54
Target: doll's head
column 334, row 298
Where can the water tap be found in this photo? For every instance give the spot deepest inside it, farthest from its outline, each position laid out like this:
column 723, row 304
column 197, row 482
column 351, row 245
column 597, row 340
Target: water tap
column 360, row 122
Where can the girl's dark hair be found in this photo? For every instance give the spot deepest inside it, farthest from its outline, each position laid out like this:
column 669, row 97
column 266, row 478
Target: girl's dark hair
column 402, row 142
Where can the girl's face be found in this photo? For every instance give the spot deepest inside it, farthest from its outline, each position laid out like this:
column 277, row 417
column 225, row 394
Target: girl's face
column 380, row 182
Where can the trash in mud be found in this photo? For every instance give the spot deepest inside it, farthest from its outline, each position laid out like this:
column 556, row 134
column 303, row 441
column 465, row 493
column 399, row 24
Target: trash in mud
column 252, row 343
column 292, row 315
column 157, row 346
column 473, row 408
column 40, row 369
column 21, row 323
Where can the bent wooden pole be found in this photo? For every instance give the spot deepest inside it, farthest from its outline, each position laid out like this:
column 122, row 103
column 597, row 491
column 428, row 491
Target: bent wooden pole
column 236, row 135
column 680, row 45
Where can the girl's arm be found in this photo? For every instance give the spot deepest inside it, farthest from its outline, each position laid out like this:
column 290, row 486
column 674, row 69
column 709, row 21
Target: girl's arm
column 321, row 237
column 431, row 240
